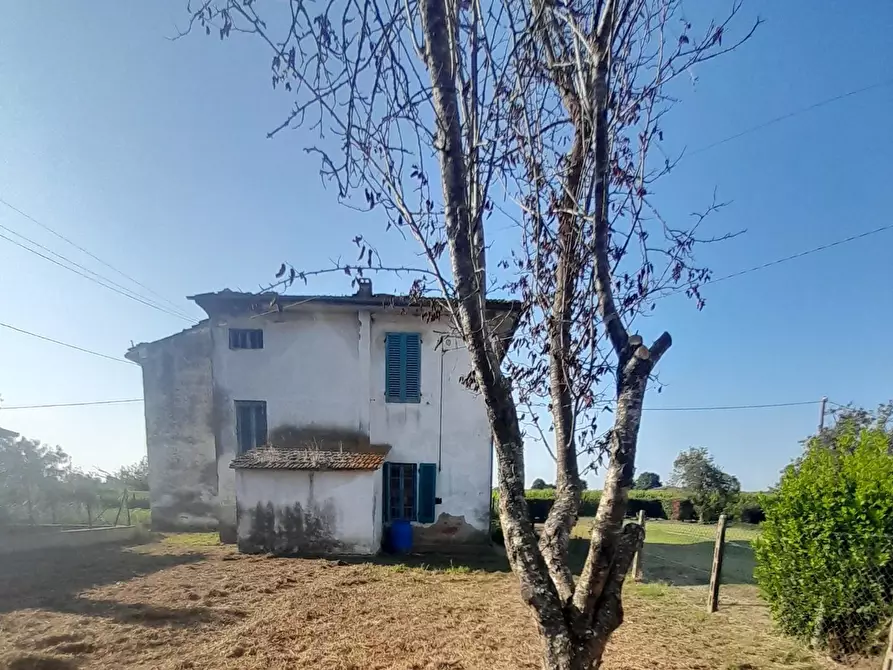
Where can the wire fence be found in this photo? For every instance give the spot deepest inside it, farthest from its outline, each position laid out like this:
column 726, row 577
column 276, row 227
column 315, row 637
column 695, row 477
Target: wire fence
column 835, row 592
column 682, row 553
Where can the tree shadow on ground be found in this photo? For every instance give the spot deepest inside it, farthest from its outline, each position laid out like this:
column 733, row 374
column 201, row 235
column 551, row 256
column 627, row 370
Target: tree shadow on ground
column 681, row 564
column 676, row 564
column 690, row 564
column 53, row 579
column 34, row 661
column 143, row 613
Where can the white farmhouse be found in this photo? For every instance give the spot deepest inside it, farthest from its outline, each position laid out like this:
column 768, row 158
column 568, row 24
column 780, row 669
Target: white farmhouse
column 307, row 424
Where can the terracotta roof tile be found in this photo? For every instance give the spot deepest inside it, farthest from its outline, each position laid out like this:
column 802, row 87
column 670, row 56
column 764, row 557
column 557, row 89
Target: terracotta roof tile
column 285, row 458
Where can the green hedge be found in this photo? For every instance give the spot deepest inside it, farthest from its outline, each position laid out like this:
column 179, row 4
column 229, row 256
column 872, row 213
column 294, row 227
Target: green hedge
column 664, row 504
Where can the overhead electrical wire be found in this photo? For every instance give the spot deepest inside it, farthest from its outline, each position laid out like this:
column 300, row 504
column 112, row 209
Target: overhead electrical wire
column 88, row 253
column 730, row 407
column 111, row 286
column 652, row 409
column 790, row 115
column 66, row 344
column 801, row 254
column 73, row 404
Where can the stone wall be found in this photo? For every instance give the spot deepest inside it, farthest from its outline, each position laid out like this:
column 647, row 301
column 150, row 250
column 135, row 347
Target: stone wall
column 180, row 444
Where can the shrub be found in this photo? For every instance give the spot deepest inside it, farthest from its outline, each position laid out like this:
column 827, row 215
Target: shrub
column 825, row 557
column 680, row 509
column 748, row 508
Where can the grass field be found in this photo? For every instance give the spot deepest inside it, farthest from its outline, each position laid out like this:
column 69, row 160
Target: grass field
column 187, row 602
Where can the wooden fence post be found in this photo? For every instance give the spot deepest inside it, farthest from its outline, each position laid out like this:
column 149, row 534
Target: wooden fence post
column 121, row 507
column 716, row 570
column 888, row 657
column 637, row 559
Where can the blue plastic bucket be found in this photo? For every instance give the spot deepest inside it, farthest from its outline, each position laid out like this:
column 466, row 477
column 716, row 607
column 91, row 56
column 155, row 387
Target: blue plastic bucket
column 401, row 537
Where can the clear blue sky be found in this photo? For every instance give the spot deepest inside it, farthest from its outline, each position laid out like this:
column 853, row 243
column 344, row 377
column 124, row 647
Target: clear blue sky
column 152, row 155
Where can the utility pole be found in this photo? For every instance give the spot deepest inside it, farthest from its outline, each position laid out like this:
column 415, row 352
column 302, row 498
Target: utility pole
column 822, row 415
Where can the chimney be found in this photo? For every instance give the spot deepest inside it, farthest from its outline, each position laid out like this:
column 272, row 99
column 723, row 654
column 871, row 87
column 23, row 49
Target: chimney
column 364, row 288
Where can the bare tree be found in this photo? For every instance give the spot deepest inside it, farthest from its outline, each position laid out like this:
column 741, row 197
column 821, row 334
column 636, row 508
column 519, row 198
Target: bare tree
column 551, row 109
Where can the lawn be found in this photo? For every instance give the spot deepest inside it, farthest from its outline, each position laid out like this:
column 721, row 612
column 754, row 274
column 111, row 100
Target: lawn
column 187, row 602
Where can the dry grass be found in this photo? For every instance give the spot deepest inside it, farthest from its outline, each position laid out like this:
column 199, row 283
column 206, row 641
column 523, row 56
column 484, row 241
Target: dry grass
column 186, row 602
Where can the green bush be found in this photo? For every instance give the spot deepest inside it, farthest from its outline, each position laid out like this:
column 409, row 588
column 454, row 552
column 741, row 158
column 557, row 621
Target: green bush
column 748, row 508
column 825, row 556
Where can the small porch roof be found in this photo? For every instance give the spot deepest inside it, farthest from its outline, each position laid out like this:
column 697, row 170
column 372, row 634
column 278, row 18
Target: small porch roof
column 296, row 458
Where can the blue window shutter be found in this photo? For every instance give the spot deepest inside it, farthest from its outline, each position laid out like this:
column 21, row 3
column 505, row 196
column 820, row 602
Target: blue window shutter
column 393, row 367
column 386, row 493
column 414, row 488
column 403, row 367
column 427, row 491
column 412, row 364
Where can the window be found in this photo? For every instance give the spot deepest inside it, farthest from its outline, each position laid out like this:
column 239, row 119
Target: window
column 403, row 353
column 246, row 338
column 251, row 424
column 409, row 491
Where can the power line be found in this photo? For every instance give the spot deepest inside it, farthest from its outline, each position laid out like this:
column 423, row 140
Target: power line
column 102, row 283
column 89, row 253
column 74, row 404
column 800, row 254
column 65, row 344
column 726, row 407
column 651, row 409
column 789, row 115
column 128, row 292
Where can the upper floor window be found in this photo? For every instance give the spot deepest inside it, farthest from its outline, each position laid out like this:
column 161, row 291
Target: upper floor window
column 246, row 338
column 251, row 424
column 403, row 367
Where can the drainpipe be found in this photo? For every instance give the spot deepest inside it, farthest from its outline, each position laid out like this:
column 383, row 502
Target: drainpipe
column 440, row 428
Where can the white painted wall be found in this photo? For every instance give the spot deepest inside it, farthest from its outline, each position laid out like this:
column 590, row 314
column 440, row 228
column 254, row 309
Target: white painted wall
column 308, row 373
column 351, row 494
column 414, row 429
column 324, row 367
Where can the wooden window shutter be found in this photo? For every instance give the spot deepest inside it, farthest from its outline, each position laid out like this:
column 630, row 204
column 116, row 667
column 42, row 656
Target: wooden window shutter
column 386, row 493
column 427, row 492
column 412, row 363
column 393, row 367
column 403, row 367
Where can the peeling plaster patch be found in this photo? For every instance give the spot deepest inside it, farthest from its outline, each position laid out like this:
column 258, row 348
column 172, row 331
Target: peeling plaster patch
column 448, row 529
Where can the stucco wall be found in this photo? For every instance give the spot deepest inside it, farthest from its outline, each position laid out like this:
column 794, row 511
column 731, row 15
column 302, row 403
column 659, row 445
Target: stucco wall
column 321, row 369
column 459, row 441
column 308, row 372
column 179, row 431
column 308, row 512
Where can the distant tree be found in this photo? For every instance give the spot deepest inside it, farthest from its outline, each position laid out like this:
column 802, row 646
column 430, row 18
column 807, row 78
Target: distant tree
column 847, row 419
column 538, row 484
column 28, row 471
column 647, row 480
column 87, row 491
column 134, row 477
column 584, row 485
column 712, row 489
